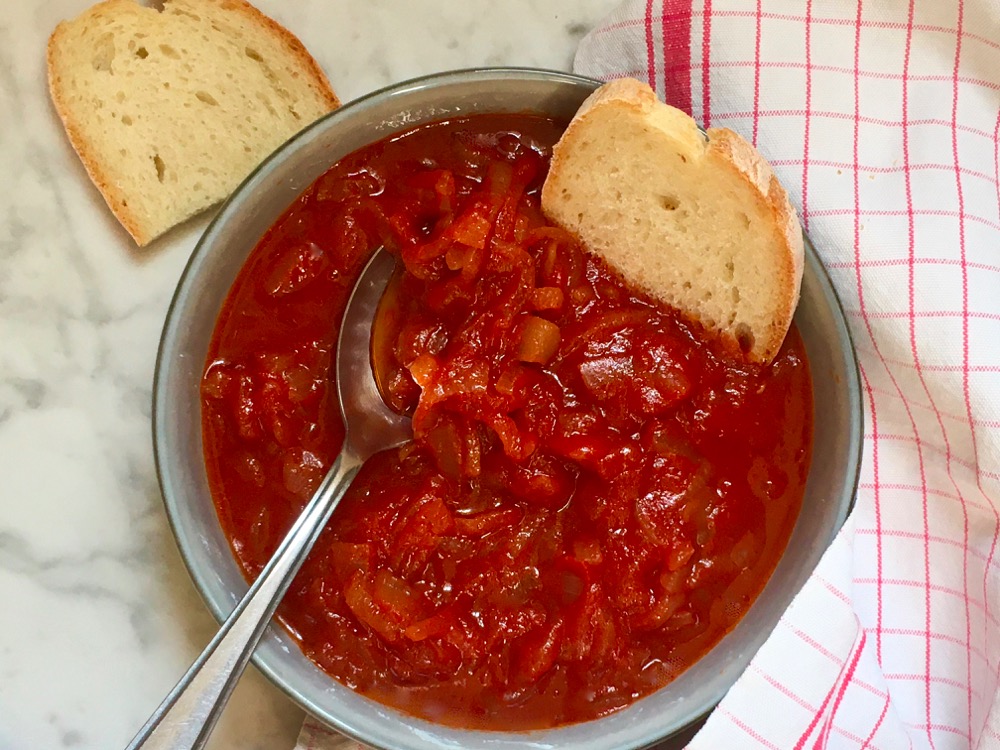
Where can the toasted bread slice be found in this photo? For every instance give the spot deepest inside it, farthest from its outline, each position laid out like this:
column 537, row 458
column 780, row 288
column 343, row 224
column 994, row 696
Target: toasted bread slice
column 699, row 223
column 169, row 110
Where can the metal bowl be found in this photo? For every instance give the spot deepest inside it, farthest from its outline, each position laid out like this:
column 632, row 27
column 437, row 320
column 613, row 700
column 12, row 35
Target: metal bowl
column 227, row 242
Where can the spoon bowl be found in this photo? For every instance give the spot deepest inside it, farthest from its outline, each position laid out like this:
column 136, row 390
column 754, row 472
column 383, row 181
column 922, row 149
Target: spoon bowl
column 361, row 403
column 187, row 715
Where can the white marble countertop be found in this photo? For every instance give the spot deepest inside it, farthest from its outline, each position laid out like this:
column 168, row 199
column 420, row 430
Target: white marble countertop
column 98, row 617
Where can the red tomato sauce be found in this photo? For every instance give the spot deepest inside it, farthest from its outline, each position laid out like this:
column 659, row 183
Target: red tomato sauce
column 597, row 489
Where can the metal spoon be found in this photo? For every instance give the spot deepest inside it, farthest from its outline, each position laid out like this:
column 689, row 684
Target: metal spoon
column 186, row 717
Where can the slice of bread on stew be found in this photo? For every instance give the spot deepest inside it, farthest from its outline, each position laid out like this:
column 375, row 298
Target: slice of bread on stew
column 171, row 109
column 698, row 222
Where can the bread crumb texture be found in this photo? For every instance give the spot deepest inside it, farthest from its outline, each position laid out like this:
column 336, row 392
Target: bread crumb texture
column 697, row 221
column 171, row 109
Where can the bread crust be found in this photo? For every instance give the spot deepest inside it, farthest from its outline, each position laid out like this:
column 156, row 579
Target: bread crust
column 725, row 150
column 748, row 162
column 627, row 92
column 116, row 199
column 318, row 79
column 95, row 169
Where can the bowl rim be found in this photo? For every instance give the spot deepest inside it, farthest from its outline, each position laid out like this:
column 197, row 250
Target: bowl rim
column 208, row 238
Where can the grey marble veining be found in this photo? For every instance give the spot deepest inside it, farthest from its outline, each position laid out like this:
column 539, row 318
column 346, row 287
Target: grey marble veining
column 97, row 615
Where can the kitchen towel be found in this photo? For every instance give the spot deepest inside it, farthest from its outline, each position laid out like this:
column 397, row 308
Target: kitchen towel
column 881, row 118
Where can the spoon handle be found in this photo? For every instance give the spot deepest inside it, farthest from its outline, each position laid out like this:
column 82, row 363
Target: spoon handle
column 185, row 718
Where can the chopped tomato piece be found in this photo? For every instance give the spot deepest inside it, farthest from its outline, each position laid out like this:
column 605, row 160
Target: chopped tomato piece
column 535, row 654
column 485, row 523
column 539, row 340
column 547, row 298
column 430, row 627
column 296, row 267
column 358, row 595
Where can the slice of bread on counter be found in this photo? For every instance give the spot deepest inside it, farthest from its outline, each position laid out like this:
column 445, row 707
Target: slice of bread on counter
column 699, row 223
column 171, row 109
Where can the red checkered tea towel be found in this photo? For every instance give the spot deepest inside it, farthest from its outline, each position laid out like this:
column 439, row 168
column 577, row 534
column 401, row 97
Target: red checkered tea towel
column 881, row 119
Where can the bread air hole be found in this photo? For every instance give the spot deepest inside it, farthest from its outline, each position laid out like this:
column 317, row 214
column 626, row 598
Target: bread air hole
column 158, row 163
column 253, row 54
column 744, row 337
column 142, row 53
column 126, row 120
column 104, row 53
column 730, row 271
column 263, row 99
column 668, row 202
column 206, row 97
column 170, row 52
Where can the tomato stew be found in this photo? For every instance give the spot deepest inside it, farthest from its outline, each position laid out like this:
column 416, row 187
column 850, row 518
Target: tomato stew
column 596, row 490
